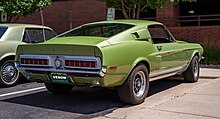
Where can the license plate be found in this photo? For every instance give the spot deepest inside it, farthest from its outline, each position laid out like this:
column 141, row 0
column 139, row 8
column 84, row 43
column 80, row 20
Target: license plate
column 59, row 78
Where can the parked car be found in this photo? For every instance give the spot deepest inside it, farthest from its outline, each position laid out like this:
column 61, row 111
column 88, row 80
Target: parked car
column 11, row 35
column 122, row 54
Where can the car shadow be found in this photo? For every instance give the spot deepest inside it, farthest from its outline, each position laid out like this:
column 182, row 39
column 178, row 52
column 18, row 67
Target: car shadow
column 164, row 84
column 21, row 81
column 86, row 101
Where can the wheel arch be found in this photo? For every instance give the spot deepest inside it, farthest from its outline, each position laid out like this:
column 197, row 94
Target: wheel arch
column 144, row 61
column 196, row 53
column 5, row 57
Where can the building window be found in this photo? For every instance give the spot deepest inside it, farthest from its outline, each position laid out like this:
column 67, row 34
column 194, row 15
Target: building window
column 200, row 13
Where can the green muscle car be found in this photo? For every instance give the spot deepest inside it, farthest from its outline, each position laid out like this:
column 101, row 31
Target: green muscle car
column 11, row 35
column 122, row 54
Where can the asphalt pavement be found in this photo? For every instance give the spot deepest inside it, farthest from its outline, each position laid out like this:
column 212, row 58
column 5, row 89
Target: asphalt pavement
column 168, row 98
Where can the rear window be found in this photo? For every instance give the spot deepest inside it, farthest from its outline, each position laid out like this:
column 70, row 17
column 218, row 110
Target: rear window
column 36, row 35
column 98, row 30
column 2, row 31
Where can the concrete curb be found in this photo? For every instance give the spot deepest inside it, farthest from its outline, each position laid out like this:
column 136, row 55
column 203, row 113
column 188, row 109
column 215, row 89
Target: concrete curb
column 210, row 66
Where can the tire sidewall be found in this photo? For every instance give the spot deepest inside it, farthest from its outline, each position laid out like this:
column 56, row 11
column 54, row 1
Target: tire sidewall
column 143, row 68
column 194, row 60
column 189, row 73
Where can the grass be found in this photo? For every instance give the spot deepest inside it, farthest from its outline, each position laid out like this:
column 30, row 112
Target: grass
column 212, row 56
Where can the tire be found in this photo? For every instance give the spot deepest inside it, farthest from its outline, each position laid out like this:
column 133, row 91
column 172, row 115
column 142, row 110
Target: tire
column 135, row 89
column 58, row 88
column 192, row 72
column 9, row 75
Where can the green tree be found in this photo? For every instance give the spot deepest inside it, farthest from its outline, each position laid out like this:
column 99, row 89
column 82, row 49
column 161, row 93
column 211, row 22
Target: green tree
column 131, row 8
column 22, row 7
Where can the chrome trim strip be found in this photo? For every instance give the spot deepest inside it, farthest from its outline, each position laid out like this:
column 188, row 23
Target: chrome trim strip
column 52, row 58
column 167, row 73
column 164, row 76
column 22, row 69
column 35, row 56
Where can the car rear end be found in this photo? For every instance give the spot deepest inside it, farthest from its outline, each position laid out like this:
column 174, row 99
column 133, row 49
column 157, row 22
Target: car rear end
column 76, row 57
column 73, row 64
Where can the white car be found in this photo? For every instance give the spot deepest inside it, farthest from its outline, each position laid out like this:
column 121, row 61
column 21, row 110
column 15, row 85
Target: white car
column 11, row 35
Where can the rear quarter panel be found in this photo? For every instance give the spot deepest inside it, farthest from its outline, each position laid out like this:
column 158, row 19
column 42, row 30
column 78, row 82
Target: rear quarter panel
column 125, row 56
column 8, row 48
column 10, row 42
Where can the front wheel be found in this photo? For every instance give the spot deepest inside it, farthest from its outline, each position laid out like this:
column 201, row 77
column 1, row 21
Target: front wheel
column 9, row 73
column 192, row 72
column 58, row 88
column 135, row 88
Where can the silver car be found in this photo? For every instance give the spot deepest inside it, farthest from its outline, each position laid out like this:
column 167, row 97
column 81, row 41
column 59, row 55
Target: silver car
column 11, row 35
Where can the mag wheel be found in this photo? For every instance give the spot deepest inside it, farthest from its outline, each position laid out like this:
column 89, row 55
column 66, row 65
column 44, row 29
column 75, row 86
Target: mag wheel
column 9, row 73
column 192, row 72
column 58, row 88
column 135, row 88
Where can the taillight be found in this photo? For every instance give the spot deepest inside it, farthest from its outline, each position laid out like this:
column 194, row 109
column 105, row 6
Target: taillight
column 78, row 63
column 29, row 61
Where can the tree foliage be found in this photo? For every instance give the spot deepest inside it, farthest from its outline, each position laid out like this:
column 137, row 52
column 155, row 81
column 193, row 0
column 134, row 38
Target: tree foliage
column 22, row 7
column 131, row 8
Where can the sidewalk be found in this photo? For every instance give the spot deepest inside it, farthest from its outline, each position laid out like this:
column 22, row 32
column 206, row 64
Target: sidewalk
column 201, row 102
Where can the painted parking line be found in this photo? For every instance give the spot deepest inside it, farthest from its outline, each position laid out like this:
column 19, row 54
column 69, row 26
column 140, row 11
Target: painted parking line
column 23, row 91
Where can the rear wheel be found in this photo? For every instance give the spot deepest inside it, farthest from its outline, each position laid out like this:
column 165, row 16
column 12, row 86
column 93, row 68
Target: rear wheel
column 192, row 72
column 9, row 73
column 58, row 88
column 135, row 88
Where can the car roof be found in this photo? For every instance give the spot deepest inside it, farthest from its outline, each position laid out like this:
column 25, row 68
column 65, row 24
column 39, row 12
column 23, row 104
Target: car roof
column 24, row 25
column 134, row 22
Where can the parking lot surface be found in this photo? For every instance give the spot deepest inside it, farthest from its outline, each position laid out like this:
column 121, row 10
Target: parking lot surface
column 32, row 100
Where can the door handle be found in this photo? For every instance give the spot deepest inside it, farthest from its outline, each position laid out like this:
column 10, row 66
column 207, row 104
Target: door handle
column 159, row 48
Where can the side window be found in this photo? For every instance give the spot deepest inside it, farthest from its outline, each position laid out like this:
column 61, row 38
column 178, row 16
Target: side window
column 49, row 34
column 36, row 35
column 2, row 31
column 159, row 34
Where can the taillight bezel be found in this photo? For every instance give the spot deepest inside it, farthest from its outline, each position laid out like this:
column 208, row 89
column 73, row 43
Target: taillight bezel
column 34, row 58
column 29, row 61
column 96, row 60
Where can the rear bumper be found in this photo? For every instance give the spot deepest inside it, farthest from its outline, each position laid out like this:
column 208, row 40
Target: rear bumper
column 92, row 77
column 75, row 77
column 95, row 73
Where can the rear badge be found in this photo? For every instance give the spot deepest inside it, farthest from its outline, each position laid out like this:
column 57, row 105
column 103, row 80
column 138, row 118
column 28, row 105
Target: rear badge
column 58, row 63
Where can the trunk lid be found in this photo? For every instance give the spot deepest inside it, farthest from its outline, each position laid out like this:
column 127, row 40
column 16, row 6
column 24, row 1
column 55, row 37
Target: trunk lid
column 75, row 46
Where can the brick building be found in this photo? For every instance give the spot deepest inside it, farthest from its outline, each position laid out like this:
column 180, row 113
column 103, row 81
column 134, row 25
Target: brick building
column 194, row 22
column 63, row 15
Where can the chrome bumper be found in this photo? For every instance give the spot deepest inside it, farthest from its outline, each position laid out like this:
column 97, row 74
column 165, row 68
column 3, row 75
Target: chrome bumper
column 25, row 70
